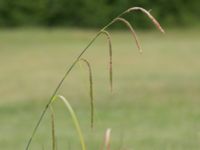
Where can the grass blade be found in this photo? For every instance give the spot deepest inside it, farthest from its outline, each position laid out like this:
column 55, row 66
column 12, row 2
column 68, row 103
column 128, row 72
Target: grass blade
column 74, row 119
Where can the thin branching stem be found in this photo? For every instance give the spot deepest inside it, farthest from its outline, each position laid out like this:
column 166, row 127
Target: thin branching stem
column 56, row 90
column 74, row 63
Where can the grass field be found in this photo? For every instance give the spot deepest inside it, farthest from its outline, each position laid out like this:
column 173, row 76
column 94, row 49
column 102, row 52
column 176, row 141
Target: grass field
column 154, row 106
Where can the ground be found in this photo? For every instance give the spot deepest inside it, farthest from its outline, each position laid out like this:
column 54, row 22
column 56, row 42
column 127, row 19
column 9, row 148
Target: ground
column 154, row 104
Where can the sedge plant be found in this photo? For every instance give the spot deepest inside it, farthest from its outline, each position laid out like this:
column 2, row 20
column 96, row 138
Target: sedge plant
column 54, row 96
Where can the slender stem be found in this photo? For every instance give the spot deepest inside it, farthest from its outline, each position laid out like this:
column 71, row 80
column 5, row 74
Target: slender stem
column 56, row 90
column 53, row 128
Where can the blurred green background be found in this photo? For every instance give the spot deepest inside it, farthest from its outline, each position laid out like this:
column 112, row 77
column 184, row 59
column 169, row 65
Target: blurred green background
column 91, row 13
column 155, row 100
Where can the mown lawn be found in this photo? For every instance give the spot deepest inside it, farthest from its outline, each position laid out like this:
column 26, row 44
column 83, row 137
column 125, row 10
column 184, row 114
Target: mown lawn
column 155, row 104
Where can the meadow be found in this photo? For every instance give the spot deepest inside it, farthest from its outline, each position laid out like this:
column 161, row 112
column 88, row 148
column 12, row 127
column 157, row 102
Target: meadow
column 154, row 104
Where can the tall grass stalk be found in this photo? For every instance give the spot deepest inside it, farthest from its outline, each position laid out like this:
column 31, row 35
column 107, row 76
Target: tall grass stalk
column 79, row 56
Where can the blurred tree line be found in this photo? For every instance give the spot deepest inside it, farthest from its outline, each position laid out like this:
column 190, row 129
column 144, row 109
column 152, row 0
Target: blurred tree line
column 94, row 13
